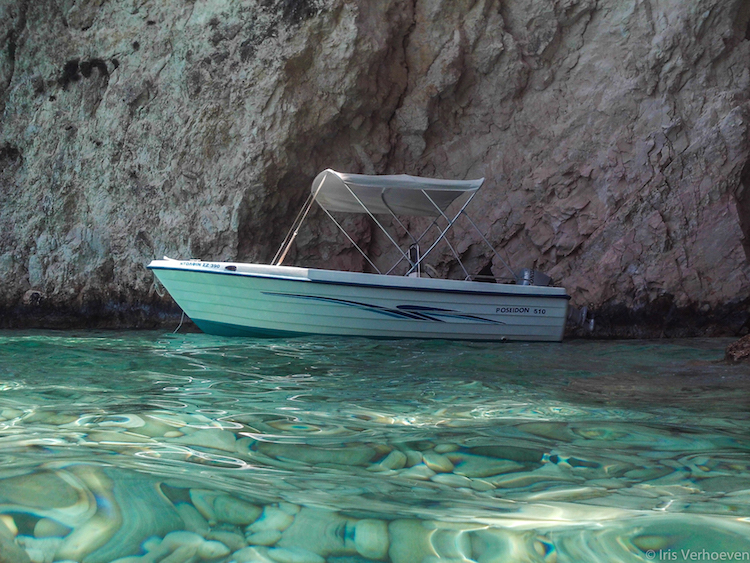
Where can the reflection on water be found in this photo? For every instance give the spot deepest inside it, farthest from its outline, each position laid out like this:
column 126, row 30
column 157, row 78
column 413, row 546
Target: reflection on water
column 146, row 448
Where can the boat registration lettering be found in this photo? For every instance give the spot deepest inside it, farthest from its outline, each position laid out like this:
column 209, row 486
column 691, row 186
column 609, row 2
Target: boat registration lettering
column 209, row 265
column 521, row 310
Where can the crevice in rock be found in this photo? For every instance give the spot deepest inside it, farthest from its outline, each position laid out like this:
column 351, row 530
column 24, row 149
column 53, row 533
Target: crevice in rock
column 742, row 197
column 399, row 104
column 11, row 46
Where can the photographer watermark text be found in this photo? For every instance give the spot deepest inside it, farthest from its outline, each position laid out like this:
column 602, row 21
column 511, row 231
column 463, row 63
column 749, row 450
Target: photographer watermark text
column 696, row 555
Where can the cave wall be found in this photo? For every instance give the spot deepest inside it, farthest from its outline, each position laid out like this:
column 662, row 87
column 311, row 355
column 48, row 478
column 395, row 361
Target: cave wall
column 613, row 137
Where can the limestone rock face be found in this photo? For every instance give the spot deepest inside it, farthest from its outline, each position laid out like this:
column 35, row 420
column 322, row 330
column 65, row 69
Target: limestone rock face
column 614, row 137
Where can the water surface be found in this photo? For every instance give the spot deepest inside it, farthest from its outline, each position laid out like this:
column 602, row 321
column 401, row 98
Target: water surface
column 154, row 447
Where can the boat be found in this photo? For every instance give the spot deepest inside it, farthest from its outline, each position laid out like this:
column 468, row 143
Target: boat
column 405, row 301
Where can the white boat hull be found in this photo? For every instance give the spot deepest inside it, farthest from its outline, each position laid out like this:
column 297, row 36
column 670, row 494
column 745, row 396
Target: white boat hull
column 259, row 300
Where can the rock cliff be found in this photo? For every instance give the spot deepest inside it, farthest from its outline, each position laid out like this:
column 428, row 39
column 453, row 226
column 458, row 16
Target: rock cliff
column 614, row 136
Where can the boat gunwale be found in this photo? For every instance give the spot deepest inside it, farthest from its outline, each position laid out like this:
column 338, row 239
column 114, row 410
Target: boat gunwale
column 500, row 293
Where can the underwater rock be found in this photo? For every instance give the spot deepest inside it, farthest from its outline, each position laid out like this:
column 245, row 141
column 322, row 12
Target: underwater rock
column 232, row 540
column 355, row 455
column 47, row 527
column 445, row 448
column 410, row 542
column 371, row 538
column 493, row 545
column 413, row 457
column 182, row 554
column 203, row 501
column 251, row 555
column 470, row 465
column 437, row 462
column 212, row 549
column 235, row 511
column 419, row 471
column 451, row 480
column 394, row 460
column 266, row 537
column 213, row 438
column 513, row 453
column 323, row 531
column 180, row 538
column 32, row 490
column 40, row 550
column 294, row 555
column 272, row 518
column 9, row 413
column 130, row 508
column 452, row 544
column 738, row 351
column 194, row 520
column 10, row 552
column 117, row 421
column 113, row 437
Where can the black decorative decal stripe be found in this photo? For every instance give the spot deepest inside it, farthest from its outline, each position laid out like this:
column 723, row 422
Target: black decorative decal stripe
column 413, row 312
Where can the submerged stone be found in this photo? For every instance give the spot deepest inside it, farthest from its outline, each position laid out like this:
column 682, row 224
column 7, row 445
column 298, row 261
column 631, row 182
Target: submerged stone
column 410, row 542
column 272, row 518
column 294, row 555
column 324, row 532
column 470, row 465
column 371, row 538
column 11, row 552
column 235, row 511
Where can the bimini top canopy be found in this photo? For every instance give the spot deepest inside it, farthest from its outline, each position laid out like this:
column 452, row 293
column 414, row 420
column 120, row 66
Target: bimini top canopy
column 400, row 194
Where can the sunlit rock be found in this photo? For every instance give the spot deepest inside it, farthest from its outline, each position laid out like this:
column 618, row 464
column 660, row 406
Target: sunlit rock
column 194, row 520
column 214, row 438
column 40, row 550
column 235, row 511
column 394, row 460
column 410, row 542
column 233, row 540
column 212, row 549
column 252, row 555
column 294, row 555
column 265, row 537
column 324, row 532
column 492, row 545
column 47, row 527
column 203, row 501
column 182, row 554
column 437, row 462
column 120, row 524
column 371, row 538
column 355, row 455
column 11, row 552
column 470, row 465
column 272, row 518
column 451, row 480
column 420, row 472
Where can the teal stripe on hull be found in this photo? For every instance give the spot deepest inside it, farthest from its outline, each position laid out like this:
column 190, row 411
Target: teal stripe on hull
column 226, row 329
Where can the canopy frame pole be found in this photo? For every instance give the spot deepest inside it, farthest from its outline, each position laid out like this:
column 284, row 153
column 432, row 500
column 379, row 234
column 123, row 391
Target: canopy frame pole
column 382, row 228
column 515, row 277
column 416, row 240
column 443, row 233
column 354, row 244
column 293, row 232
column 301, row 216
column 407, row 231
column 455, row 254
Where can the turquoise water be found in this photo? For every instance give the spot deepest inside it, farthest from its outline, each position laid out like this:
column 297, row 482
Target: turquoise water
column 154, row 447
